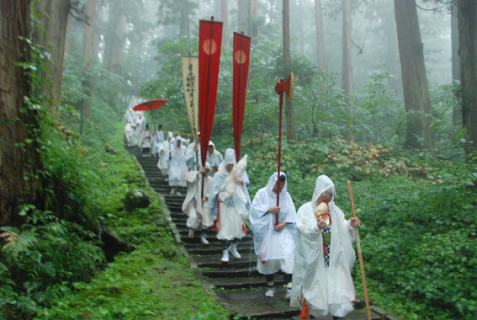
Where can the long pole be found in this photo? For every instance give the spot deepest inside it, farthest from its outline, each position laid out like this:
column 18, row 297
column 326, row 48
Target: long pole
column 279, row 149
column 361, row 263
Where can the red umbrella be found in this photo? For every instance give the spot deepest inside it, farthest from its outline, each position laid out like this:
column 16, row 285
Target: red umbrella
column 150, row 105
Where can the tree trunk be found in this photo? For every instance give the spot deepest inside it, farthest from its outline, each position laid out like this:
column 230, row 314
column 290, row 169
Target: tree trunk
column 456, row 113
column 114, row 42
column 69, row 36
column 184, row 26
column 320, row 35
column 297, row 22
column 19, row 160
column 413, row 69
column 253, row 18
column 393, row 53
column 347, row 64
column 88, row 53
column 287, row 61
column 271, row 13
column 53, row 17
column 98, row 26
column 243, row 16
column 224, row 16
column 467, row 21
column 216, row 9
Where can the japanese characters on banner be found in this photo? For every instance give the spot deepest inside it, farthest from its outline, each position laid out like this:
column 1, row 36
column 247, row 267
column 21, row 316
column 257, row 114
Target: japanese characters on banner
column 190, row 72
column 241, row 59
column 210, row 43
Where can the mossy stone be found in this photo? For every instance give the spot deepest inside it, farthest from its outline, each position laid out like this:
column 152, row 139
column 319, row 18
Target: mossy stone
column 136, row 199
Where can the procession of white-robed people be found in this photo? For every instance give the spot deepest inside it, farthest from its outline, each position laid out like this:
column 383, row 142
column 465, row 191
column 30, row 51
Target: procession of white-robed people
column 314, row 253
column 311, row 247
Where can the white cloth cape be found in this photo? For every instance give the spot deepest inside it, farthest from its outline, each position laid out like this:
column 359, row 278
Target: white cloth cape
column 163, row 155
column 215, row 159
column 157, row 140
column 177, row 165
column 146, row 139
column 233, row 206
column 326, row 289
column 128, row 131
column 268, row 243
column 163, row 162
column 191, row 153
column 198, row 214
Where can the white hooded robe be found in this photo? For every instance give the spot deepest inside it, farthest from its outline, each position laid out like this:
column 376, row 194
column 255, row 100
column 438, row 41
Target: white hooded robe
column 198, row 214
column 177, row 165
column 230, row 208
column 275, row 248
column 162, row 164
column 327, row 290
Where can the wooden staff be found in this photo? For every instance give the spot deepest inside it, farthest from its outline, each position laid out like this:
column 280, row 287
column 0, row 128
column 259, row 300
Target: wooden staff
column 280, row 88
column 361, row 263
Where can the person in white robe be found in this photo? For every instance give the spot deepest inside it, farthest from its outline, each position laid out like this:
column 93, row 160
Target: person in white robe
column 324, row 257
column 230, row 207
column 185, row 142
column 128, row 130
column 130, row 115
column 246, row 180
column 214, row 158
column 157, row 140
column 274, row 243
column 146, row 141
column 141, row 119
column 134, row 137
column 177, row 165
column 193, row 157
column 162, row 164
column 195, row 204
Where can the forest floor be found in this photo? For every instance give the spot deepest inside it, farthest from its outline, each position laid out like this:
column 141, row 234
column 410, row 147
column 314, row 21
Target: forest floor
column 154, row 281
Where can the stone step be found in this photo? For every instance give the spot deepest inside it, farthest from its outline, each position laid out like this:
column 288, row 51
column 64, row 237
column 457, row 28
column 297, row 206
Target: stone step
column 216, row 249
column 213, row 261
column 252, row 303
column 231, row 273
column 242, row 282
column 211, row 238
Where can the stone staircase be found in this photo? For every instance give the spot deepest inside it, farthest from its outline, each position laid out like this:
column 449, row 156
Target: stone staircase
column 238, row 282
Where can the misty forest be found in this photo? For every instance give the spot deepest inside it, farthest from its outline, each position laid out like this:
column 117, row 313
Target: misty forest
column 383, row 94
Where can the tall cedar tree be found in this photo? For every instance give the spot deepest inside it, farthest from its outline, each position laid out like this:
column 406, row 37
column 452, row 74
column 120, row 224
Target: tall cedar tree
column 415, row 87
column 88, row 53
column 114, row 41
column 457, row 112
column 467, row 21
column 347, row 63
column 172, row 11
column 224, row 16
column 53, row 18
column 248, row 16
column 393, row 51
column 320, row 35
column 18, row 159
column 287, row 67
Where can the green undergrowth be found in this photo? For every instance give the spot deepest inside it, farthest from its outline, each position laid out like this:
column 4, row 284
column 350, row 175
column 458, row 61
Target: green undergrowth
column 155, row 280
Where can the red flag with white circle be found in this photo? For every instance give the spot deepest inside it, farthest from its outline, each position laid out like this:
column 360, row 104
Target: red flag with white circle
column 210, row 42
column 241, row 56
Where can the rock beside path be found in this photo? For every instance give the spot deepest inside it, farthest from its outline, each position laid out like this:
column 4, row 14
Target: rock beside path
column 111, row 149
column 136, row 199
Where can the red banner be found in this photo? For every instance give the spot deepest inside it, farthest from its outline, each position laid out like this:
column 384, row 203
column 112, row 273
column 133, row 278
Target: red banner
column 210, row 41
column 241, row 56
